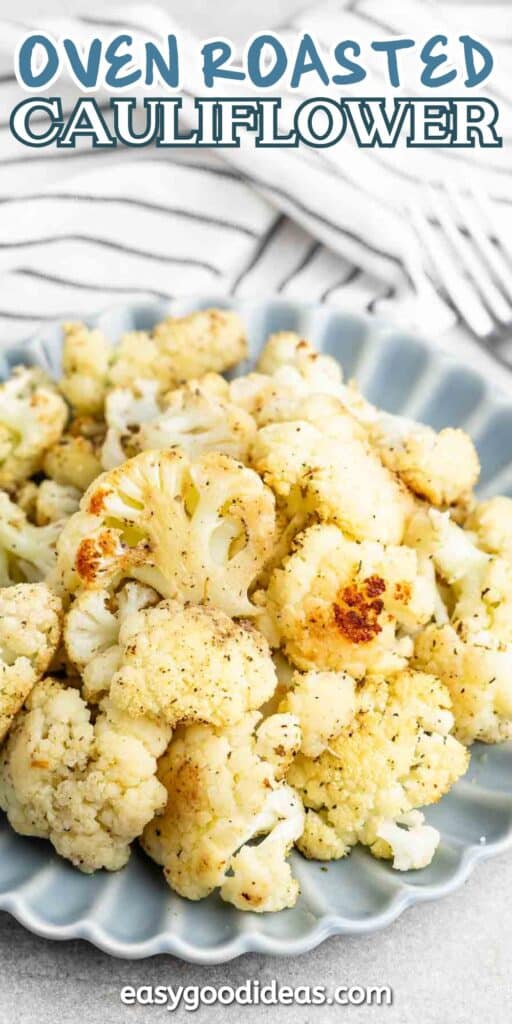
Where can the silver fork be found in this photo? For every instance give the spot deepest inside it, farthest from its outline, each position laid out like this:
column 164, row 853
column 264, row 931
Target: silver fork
column 470, row 262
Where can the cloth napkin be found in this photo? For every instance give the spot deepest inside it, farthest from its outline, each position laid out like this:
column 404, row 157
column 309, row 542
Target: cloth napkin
column 83, row 229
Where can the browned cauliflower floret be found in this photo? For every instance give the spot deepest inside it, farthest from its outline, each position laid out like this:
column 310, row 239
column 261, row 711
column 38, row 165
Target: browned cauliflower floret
column 180, row 349
column 491, row 522
column 287, row 348
column 223, row 791
column 86, row 357
column 396, row 754
column 30, row 618
column 441, row 467
column 91, row 633
column 339, row 605
column 193, row 417
column 180, row 663
column 88, row 788
column 339, row 478
column 32, row 418
column 200, row 531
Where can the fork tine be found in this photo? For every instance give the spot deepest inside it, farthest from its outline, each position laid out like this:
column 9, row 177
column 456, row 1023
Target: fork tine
column 470, row 259
column 455, row 285
column 495, row 258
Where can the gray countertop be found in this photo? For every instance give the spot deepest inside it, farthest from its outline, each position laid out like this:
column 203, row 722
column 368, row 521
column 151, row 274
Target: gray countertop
column 448, row 960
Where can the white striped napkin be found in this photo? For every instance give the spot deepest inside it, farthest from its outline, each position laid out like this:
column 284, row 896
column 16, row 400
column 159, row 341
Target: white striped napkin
column 84, row 228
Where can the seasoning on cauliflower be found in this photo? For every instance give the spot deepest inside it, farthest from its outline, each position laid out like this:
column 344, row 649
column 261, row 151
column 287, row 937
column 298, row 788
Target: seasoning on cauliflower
column 89, row 788
column 189, row 662
column 286, row 348
column 222, row 792
column 211, row 340
column 27, row 552
column 395, row 755
column 180, row 349
column 193, row 417
column 479, row 585
column 91, row 633
column 200, row 531
column 478, row 674
column 441, row 467
column 323, row 702
column 491, row 522
column 86, row 357
column 29, row 635
column 338, row 478
column 339, row 605
column 32, row 418
column 73, row 462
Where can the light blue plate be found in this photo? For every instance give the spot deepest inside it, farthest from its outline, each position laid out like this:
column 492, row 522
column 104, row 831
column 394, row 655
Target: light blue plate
column 133, row 913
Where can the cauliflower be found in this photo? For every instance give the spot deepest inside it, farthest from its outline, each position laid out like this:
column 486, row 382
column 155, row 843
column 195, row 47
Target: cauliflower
column 323, row 702
column 441, row 467
column 73, row 462
column 91, row 633
column 338, row 605
column 191, row 663
column 32, row 418
column 27, row 552
column 222, row 792
column 29, row 635
column 491, row 522
column 89, row 788
column 209, row 340
column 479, row 585
column 86, row 357
column 193, row 418
column 336, row 477
column 288, row 349
column 201, row 531
column 180, row 349
column 394, row 755
column 478, row 674
column 55, row 502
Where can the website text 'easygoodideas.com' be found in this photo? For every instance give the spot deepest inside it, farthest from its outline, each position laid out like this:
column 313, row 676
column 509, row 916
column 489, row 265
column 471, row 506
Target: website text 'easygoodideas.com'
column 255, row 993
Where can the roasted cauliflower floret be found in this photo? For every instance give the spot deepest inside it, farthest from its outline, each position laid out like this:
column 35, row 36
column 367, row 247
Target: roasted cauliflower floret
column 91, row 633
column 339, row 605
column 32, row 418
column 491, row 522
column 341, row 481
column 73, row 462
column 192, row 417
column 396, row 754
column 211, row 340
column 286, row 348
column 479, row 585
column 88, row 788
column 55, row 502
column 222, row 792
column 199, row 531
column 180, row 349
column 478, row 674
column 441, row 467
column 86, row 357
column 30, row 617
column 191, row 663
column 323, row 703
column 27, row 552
